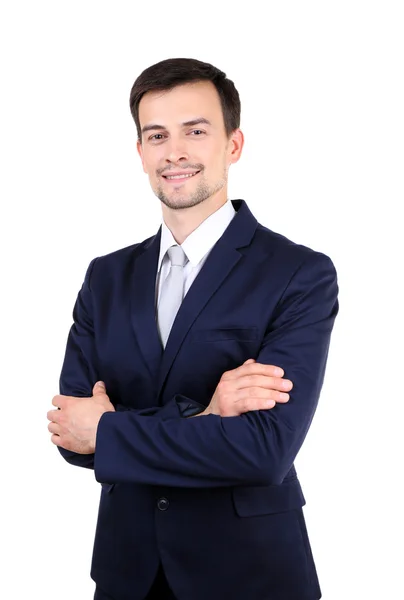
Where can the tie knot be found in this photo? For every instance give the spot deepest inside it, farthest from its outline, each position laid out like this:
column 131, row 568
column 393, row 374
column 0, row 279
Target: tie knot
column 177, row 256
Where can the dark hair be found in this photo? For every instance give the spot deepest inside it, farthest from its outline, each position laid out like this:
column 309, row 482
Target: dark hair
column 167, row 74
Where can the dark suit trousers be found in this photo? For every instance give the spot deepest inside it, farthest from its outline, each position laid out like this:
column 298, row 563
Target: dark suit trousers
column 160, row 590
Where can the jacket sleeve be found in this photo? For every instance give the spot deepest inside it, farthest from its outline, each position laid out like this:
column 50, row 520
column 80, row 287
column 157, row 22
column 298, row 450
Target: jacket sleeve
column 80, row 373
column 256, row 448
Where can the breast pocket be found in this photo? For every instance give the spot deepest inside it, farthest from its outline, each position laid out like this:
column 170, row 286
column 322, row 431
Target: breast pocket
column 210, row 352
column 241, row 334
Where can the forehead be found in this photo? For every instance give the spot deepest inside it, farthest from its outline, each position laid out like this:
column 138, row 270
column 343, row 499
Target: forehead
column 182, row 103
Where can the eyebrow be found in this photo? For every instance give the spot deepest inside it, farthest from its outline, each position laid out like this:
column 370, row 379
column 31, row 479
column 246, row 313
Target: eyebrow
column 192, row 123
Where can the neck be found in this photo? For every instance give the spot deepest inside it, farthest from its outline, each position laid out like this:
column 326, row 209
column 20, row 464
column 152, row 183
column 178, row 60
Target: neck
column 182, row 222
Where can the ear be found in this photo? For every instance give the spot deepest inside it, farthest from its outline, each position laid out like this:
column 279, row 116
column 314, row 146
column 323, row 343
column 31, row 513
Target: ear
column 236, row 143
column 140, row 151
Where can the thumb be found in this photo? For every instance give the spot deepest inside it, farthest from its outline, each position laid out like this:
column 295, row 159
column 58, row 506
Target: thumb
column 99, row 388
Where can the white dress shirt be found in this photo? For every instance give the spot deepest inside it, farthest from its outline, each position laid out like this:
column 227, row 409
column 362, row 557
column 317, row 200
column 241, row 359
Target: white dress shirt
column 197, row 246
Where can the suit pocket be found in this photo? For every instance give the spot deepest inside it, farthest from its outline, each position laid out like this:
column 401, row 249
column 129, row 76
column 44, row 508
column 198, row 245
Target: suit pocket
column 242, row 334
column 254, row 501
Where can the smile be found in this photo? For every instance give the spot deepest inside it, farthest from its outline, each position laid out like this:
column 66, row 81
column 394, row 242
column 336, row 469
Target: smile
column 180, row 177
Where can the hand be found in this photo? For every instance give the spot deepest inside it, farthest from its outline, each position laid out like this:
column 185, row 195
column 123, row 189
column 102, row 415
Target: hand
column 74, row 426
column 252, row 386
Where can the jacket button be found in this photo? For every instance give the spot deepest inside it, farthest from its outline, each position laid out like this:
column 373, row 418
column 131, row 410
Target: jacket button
column 162, row 504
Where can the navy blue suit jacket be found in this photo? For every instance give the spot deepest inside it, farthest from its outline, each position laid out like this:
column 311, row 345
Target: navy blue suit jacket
column 217, row 500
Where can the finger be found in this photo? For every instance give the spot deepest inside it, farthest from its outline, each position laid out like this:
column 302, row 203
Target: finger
column 254, row 368
column 264, row 369
column 235, row 372
column 251, row 399
column 99, row 388
column 56, row 439
column 267, row 395
column 53, row 415
column 259, row 399
column 247, row 405
column 273, row 383
column 54, row 428
column 60, row 401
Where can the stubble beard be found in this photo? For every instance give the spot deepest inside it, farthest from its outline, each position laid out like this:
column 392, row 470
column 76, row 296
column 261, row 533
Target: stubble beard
column 178, row 200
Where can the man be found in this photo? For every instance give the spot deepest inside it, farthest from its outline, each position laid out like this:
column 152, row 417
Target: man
column 173, row 387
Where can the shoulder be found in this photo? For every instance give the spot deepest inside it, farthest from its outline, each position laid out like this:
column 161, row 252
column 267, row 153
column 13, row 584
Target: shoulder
column 309, row 282
column 287, row 253
column 117, row 261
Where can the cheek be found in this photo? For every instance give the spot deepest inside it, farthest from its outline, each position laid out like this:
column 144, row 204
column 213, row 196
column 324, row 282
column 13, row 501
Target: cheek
column 215, row 156
column 152, row 162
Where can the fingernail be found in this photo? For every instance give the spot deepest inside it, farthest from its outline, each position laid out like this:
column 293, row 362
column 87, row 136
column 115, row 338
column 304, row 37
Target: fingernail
column 278, row 372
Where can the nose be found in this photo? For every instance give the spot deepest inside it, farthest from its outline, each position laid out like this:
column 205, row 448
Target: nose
column 176, row 151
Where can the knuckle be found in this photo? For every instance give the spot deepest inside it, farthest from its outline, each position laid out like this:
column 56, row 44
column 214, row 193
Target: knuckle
column 245, row 405
column 224, row 411
column 251, row 369
column 273, row 383
column 222, row 386
column 255, row 391
column 222, row 398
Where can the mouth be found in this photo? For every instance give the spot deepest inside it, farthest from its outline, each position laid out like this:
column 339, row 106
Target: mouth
column 179, row 177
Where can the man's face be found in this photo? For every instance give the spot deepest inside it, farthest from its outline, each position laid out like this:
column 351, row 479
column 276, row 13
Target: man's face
column 185, row 150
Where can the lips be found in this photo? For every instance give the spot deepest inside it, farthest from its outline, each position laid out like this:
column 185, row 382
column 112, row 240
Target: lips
column 179, row 175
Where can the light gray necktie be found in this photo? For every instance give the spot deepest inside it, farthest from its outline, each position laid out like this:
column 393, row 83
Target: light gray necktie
column 172, row 292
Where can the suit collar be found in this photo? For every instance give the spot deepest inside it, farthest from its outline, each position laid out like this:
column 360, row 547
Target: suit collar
column 203, row 238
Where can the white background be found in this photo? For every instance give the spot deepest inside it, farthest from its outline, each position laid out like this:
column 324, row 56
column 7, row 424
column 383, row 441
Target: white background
column 321, row 85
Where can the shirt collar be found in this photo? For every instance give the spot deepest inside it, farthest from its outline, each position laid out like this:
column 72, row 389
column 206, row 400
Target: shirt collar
column 202, row 239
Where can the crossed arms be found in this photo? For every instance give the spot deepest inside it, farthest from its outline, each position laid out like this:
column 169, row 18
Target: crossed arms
column 239, row 439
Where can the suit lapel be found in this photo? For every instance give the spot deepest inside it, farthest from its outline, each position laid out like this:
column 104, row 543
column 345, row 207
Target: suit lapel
column 143, row 304
column 218, row 265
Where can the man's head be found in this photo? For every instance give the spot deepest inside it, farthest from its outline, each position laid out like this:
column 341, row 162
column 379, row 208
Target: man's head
column 187, row 115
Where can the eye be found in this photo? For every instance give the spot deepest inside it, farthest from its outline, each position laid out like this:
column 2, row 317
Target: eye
column 156, row 137
column 197, row 132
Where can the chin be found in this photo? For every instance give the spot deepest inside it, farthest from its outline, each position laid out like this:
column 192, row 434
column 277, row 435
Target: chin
column 179, row 202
